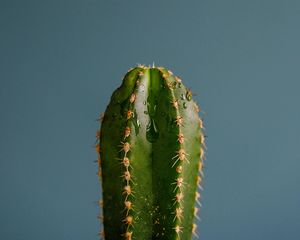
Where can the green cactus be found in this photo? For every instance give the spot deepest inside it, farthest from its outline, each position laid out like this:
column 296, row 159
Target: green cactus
column 150, row 154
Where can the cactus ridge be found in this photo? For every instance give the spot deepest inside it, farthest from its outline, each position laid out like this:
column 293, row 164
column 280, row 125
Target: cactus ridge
column 151, row 159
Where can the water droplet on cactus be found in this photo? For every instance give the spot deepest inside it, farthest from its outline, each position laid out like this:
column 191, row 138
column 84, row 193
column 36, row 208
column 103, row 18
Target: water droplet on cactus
column 114, row 116
column 151, row 110
column 142, row 88
column 144, row 102
column 151, row 131
column 136, row 123
column 184, row 105
column 189, row 95
column 182, row 97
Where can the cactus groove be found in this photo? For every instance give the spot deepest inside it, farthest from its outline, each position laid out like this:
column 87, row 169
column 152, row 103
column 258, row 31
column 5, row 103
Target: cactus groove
column 150, row 158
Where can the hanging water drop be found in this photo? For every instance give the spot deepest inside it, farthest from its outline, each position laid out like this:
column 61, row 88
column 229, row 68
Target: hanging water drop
column 189, row 95
column 151, row 131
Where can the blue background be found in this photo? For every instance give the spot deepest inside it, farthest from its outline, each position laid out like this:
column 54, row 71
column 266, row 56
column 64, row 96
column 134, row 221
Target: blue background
column 60, row 62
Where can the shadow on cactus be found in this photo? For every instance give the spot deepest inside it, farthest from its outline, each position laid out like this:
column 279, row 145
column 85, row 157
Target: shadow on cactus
column 151, row 150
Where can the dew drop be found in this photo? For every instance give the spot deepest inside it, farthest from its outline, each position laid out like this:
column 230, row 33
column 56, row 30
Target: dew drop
column 151, row 131
column 142, row 88
column 189, row 95
column 136, row 123
column 114, row 116
column 184, row 105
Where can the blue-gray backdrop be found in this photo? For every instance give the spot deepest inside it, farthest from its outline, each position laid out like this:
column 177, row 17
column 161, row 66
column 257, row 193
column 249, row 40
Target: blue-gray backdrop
column 60, row 62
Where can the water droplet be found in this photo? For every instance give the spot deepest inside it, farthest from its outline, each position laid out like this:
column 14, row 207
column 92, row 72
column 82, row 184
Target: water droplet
column 182, row 97
column 189, row 95
column 144, row 102
column 114, row 116
column 151, row 110
column 136, row 123
column 151, row 131
column 142, row 88
column 184, row 105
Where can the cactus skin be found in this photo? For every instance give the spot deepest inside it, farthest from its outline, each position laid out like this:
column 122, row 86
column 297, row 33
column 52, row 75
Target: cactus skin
column 151, row 158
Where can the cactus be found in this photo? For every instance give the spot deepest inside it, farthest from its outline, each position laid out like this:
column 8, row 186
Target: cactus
column 150, row 157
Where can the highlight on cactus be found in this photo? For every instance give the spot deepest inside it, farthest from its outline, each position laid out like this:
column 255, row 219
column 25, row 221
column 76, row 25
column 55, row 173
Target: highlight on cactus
column 150, row 158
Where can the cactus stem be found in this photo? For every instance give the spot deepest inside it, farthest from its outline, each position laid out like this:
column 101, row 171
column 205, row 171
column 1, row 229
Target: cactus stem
column 157, row 122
